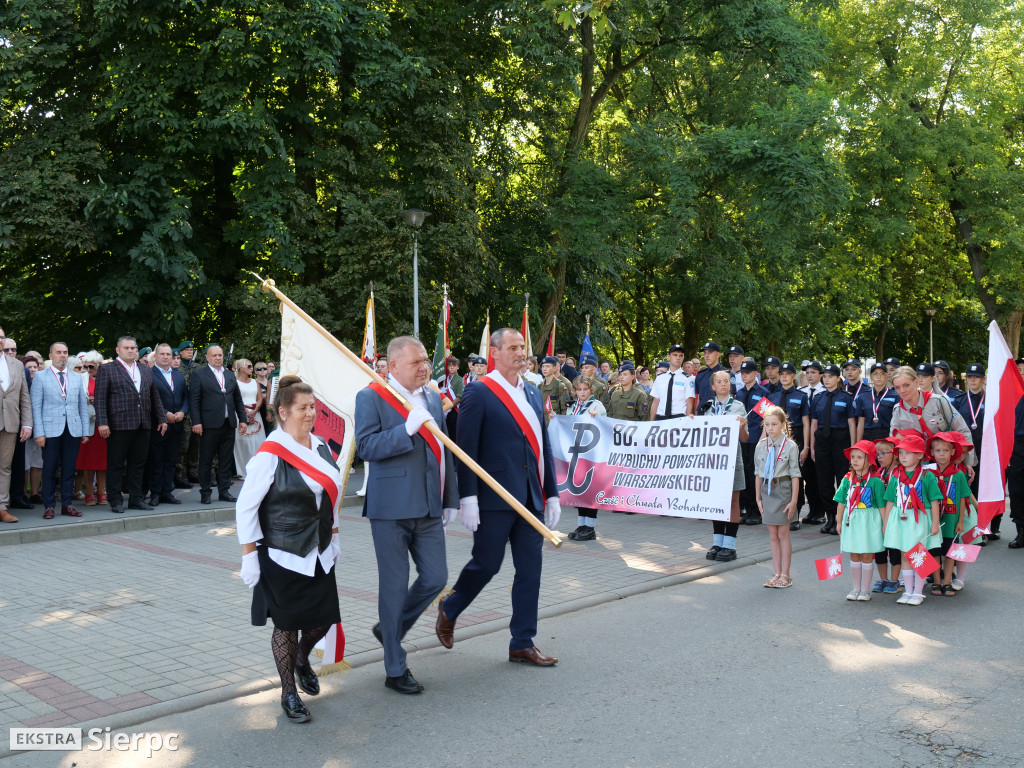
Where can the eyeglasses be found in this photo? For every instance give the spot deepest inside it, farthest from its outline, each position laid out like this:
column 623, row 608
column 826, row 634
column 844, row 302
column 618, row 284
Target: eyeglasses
column 260, row 370
column 11, row 351
column 91, row 366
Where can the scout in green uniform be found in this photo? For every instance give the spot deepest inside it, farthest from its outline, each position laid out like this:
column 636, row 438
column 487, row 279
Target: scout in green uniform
column 626, row 400
column 554, row 386
column 588, row 371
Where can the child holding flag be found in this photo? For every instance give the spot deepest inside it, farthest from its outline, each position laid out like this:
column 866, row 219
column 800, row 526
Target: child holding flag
column 586, row 406
column 911, row 514
column 859, row 503
column 776, row 464
column 947, row 451
column 888, row 559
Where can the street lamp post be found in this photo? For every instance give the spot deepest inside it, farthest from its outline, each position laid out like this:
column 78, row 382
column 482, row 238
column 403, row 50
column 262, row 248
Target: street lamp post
column 931, row 345
column 414, row 217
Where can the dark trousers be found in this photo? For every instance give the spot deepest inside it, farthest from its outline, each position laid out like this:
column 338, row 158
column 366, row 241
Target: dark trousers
column 798, row 438
column 400, row 605
column 18, row 472
column 163, row 455
column 61, row 450
column 1015, row 484
column 831, row 465
column 131, row 445
column 453, row 423
column 496, row 528
column 748, row 496
column 219, row 442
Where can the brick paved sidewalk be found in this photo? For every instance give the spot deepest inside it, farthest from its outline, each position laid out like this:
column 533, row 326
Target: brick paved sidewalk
column 141, row 623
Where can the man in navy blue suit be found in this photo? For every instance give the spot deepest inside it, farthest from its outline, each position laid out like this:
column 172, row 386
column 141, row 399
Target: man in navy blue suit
column 163, row 448
column 501, row 427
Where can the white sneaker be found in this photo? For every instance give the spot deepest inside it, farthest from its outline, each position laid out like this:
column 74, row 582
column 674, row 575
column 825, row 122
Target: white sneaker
column 854, row 595
column 903, row 599
column 915, row 600
column 864, row 597
column 958, row 584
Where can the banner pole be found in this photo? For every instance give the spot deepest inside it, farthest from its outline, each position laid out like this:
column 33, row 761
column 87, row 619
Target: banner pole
column 269, row 286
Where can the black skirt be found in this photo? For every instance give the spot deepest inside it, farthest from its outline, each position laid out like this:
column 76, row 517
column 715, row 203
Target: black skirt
column 291, row 600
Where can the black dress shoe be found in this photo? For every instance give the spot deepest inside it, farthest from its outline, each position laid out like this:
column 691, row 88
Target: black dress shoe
column 712, row 552
column 376, row 633
column 832, row 531
column 21, row 504
column 404, row 684
column 725, row 555
column 145, row 507
column 307, row 679
column 1018, row 542
column 205, row 498
column 226, row 496
column 295, row 709
column 813, row 520
column 35, row 498
column 753, row 520
column 182, row 484
column 795, row 525
column 118, row 510
column 154, row 501
column 743, row 518
column 583, row 533
column 169, row 500
column 994, row 536
column 824, row 528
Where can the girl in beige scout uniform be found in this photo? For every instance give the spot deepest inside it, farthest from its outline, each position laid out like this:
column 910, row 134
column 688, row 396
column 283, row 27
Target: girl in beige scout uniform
column 776, row 464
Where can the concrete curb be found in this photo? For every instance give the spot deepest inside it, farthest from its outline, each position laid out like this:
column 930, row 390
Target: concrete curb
column 193, row 701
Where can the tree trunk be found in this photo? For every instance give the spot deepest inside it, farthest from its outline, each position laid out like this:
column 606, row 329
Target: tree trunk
column 880, row 341
column 1011, row 330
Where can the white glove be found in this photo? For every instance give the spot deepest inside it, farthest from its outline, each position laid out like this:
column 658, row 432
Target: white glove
column 552, row 512
column 250, row 570
column 447, row 515
column 417, row 417
column 336, row 541
column 469, row 514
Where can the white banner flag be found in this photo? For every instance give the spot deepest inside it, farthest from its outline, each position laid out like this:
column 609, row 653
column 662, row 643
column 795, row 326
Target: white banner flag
column 307, row 353
column 677, row 467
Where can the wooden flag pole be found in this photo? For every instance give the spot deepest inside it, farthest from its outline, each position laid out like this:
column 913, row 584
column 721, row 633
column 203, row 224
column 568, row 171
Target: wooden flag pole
column 270, row 286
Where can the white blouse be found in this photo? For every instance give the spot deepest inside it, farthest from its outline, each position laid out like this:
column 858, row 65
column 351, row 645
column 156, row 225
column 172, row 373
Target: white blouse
column 259, row 476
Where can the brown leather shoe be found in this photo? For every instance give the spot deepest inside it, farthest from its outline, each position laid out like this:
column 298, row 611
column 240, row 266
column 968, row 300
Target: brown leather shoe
column 70, row 511
column 7, row 517
column 444, row 628
column 532, row 656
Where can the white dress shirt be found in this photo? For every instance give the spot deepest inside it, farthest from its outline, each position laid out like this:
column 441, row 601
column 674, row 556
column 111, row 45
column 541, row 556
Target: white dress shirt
column 5, row 373
column 417, row 397
column 682, row 390
column 259, row 476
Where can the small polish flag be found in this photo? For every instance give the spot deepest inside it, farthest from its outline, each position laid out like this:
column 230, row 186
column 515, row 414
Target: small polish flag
column 547, row 406
column 829, row 567
column 921, row 560
column 762, row 407
column 973, row 534
column 965, row 553
column 331, row 650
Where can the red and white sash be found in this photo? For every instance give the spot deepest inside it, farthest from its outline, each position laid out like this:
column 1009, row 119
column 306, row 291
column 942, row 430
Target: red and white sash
column 531, row 437
column 426, row 434
column 321, row 477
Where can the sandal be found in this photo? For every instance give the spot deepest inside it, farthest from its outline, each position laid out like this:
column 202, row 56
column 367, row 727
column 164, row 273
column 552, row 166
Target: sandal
column 948, row 591
column 783, row 582
column 773, row 581
column 936, row 590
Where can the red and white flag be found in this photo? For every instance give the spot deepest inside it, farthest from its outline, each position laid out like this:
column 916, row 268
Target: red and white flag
column 1003, row 388
column 331, row 650
column 974, row 533
column 829, row 567
column 551, row 338
column 369, row 350
column 547, row 407
column 762, row 407
column 921, row 560
column 965, row 553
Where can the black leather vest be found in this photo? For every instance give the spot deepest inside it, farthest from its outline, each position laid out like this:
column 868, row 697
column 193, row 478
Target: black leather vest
column 288, row 513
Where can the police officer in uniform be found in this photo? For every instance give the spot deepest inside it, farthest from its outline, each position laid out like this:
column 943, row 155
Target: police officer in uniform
column 626, row 400
column 749, row 395
column 947, row 382
column 702, row 381
column 875, row 404
column 554, row 386
column 834, row 429
column 798, row 409
column 588, row 371
column 736, row 355
column 772, row 382
column 812, row 388
column 971, row 405
column 853, row 371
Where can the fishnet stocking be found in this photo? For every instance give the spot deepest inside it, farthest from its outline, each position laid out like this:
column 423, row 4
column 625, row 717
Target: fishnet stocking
column 284, row 645
column 310, row 637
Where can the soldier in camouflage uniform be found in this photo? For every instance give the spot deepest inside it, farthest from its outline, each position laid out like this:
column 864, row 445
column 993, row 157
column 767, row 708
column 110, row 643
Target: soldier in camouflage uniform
column 554, row 386
column 588, row 371
column 626, row 400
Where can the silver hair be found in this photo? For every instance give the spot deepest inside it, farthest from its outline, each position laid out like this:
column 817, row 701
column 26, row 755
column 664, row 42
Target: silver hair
column 498, row 337
column 92, row 356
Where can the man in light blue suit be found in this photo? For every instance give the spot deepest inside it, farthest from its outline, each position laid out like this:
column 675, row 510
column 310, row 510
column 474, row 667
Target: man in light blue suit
column 410, row 496
column 60, row 419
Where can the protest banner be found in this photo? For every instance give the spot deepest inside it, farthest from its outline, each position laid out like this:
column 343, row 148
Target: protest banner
column 678, row 467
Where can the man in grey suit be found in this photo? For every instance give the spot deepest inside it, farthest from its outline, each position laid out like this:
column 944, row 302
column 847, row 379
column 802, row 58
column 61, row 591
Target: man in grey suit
column 15, row 423
column 60, row 418
column 411, row 494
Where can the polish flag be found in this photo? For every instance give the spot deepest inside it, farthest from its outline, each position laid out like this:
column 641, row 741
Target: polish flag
column 974, row 533
column 331, row 650
column 551, row 338
column 547, row 407
column 921, row 560
column 1003, row 388
column 965, row 553
column 762, row 407
column 829, row 567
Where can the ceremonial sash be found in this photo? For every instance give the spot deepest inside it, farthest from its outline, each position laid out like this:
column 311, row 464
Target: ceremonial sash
column 330, row 486
column 524, row 425
column 426, row 434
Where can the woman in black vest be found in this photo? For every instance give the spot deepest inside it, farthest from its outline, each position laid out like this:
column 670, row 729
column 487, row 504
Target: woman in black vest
column 287, row 523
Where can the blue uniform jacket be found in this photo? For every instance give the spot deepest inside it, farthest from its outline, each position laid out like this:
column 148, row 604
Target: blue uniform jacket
column 794, row 403
column 750, row 398
column 843, row 408
column 866, row 407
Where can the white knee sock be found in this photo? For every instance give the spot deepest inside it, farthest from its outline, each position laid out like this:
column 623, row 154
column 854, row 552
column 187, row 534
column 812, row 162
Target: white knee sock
column 866, row 571
column 909, row 582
